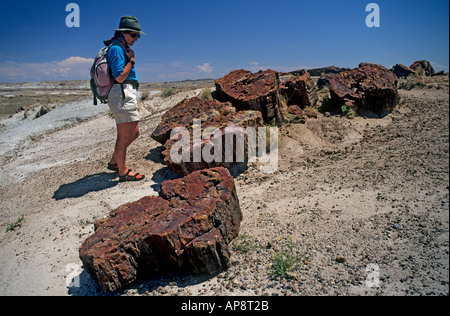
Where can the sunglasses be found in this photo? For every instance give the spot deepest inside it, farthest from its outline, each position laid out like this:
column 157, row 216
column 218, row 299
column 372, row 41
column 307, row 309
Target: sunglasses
column 135, row 35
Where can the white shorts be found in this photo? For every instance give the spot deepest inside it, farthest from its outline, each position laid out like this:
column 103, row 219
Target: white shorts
column 124, row 110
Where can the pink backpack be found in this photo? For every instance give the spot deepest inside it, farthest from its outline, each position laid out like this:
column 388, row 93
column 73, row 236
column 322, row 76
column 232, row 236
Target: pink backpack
column 102, row 80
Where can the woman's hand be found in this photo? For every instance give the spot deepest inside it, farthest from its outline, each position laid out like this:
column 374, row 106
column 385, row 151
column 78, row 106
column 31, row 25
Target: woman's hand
column 128, row 66
column 130, row 53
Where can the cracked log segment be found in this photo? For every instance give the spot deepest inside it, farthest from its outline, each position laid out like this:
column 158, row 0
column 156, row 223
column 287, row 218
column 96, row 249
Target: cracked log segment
column 423, row 68
column 220, row 125
column 368, row 87
column 185, row 112
column 251, row 91
column 267, row 91
column 186, row 229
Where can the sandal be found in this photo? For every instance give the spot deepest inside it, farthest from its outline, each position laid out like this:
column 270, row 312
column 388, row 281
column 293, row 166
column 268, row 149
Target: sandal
column 127, row 177
column 113, row 167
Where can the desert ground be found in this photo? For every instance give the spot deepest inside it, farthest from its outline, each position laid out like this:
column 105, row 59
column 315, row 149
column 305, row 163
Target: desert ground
column 363, row 203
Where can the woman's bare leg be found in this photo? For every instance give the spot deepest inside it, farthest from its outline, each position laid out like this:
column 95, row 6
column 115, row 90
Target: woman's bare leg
column 127, row 133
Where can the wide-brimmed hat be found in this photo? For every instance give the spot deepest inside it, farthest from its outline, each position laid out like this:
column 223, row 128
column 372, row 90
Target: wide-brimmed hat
column 129, row 23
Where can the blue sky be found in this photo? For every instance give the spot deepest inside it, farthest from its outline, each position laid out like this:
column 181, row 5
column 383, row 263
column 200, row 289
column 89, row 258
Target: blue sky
column 192, row 39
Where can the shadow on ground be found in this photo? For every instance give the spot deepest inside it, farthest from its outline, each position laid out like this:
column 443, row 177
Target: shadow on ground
column 92, row 183
column 84, row 285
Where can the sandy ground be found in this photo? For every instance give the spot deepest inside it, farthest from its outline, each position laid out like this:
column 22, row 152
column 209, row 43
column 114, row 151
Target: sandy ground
column 365, row 201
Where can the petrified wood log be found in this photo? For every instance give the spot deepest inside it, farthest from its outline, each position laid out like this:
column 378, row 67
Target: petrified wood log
column 214, row 143
column 248, row 91
column 202, row 129
column 402, row 71
column 370, row 87
column 295, row 90
column 188, row 110
column 423, row 68
column 186, row 229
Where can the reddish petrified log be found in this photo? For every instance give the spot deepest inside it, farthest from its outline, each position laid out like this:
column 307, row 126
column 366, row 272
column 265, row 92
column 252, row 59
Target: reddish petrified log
column 186, row 229
column 402, row 71
column 248, row 91
column 215, row 143
column 295, row 90
column 370, row 87
column 423, row 68
column 296, row 112
column 188, row 110
column 201, row 129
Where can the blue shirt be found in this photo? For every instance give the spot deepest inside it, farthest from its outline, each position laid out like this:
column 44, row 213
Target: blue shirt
column 117, row 60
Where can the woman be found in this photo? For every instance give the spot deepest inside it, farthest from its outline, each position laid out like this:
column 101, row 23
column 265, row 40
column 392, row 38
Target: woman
column 122, row 99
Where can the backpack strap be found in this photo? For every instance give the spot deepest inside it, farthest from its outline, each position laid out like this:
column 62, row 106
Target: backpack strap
column 123, row 92
column 119, row 43
column 93, row 89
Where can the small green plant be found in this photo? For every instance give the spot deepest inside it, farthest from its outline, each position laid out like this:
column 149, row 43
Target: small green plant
column 16, row 224
column 349, row 112
column 167, row 92
column 287, row 260
column 145, row 95
column 344, row 109
column 205, row 94
column 244, row 244
column 410, row 83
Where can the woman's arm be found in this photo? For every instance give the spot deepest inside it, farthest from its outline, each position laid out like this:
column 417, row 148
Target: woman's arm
column 120, row 66
column 126, row 72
